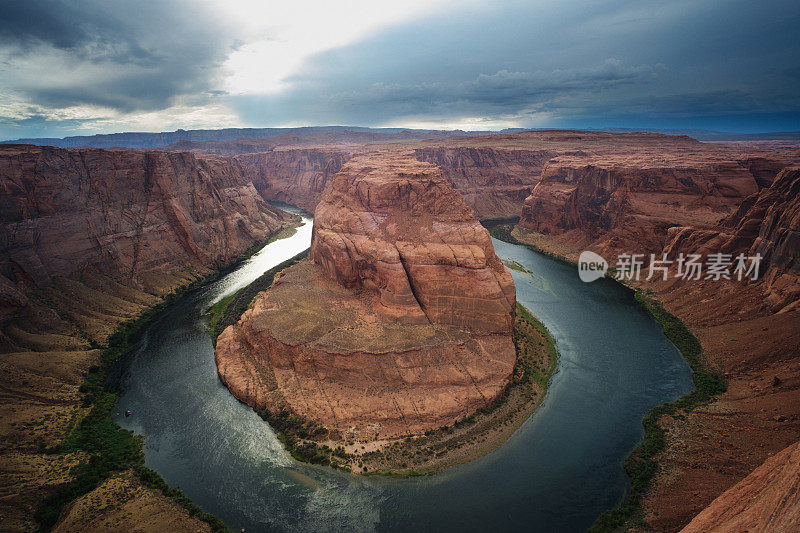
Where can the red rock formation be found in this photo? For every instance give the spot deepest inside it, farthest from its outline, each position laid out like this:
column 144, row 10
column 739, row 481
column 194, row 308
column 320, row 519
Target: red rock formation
column 493, row 181
column 694, row 200
column 766, row 500
column 128, row 212
column 627, row 204
column 622, row 192
column 402, row 322
column 149, row 220
column 399, row 228
column 767, row 223
column 89, row 239
column 294, row 176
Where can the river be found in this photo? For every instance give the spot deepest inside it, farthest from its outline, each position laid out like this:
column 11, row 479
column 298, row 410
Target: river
column 558, row 472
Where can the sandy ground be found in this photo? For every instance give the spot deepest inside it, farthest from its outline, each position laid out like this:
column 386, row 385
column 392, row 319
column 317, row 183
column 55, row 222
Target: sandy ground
column 121, row 503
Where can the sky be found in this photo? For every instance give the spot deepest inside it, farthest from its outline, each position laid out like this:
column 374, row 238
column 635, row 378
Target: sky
column 78, row 67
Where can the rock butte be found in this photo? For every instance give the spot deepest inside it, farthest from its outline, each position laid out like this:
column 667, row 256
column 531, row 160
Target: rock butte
column 400, row 322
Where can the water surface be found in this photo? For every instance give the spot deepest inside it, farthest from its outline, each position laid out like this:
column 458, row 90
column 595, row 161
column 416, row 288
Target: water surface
column 558, row 472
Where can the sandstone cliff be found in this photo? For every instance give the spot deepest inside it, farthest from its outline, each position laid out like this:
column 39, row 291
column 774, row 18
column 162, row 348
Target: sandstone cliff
column 494, row 182
column 628, row 203
column 399, row 228
column 766, row 500
column 120, row 220
column 88, row 239
column 766, row 223
column 295, row 176
column 401, row 323
column 697, row 199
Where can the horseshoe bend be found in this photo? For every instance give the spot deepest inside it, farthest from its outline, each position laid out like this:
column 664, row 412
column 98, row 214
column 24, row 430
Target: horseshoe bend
column 263, row 263
column 399, row 322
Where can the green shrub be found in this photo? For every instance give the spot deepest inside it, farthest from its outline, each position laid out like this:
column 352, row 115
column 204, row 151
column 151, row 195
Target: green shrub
column 641, row 464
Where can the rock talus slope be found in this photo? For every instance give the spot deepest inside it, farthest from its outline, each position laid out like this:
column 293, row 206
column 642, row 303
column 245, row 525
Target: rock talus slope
column 401, row 322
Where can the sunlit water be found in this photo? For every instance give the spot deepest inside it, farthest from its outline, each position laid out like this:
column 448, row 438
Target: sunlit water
column 558, row 472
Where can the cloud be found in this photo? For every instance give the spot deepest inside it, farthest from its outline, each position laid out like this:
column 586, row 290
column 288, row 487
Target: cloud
column 576, row 63
column 85, row 28
column 126, row 56
column 573, row 62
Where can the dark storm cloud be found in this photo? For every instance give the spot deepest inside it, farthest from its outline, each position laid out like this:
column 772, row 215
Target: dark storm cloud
column 124, row 55
column 84, row 28
column 557, row 62
column 576, row 63
column 501, row 92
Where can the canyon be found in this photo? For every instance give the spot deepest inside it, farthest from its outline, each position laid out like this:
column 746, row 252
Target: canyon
column 399, row 323
column 747, row 329
column 90, row 239
column 400, row 272
column 616, row 198
column 606, row 184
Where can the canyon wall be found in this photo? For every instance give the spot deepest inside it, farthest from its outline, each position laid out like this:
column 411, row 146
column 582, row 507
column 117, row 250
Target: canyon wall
column 89, row 239
column 700, row 200
column 766, row 223
column 627, row 204
column 295, row 176
column 148, row 221
column 494, row 182
column 400, row 323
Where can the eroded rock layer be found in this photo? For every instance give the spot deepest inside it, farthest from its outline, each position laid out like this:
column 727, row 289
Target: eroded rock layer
column 295, row 176
column 768, row 224
column 89, row 239
column 766, row 500
column 621, row 193
column 397, row 227
column 616, row 203
column 493, row 181
column 401, row 322
column 131, row 213
column 700, row 200
column 114, row 222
